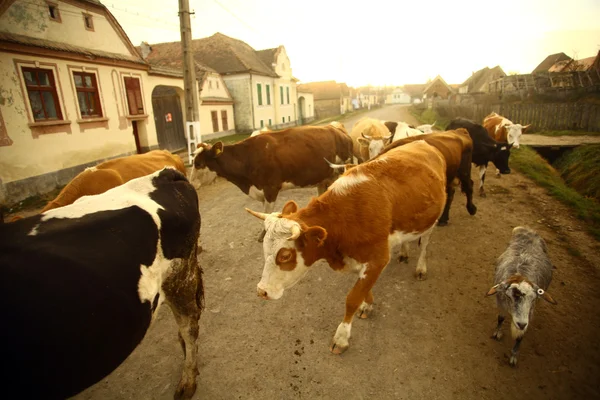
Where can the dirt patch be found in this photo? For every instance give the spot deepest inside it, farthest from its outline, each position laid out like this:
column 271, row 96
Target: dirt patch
column 425, row 340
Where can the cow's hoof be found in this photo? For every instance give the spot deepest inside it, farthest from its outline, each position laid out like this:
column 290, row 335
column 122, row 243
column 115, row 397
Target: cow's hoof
column 403, row 259
column 442, row 223
column 187, row 385
column 338, row 349
column 472, row 209
column 364, row 310
column 497, row 335
column 421, row 275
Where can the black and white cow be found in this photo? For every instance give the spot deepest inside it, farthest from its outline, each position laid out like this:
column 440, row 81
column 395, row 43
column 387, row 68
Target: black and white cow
column 82, row 283
column 485, row 149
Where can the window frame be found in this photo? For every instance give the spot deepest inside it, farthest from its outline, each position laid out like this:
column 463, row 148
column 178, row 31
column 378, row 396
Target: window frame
column 287, row 91
column 53, row 89
column 88, row 17
column 268, row 93
column 215, row 121
column 259, row 94
column 224, row 122
column 95, row 90
column 281, row 93
column 53, row 6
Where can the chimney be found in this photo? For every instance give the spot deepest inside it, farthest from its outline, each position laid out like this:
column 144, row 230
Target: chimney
column 146, row 49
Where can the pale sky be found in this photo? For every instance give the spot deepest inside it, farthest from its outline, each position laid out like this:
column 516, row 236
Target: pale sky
column 383, row 42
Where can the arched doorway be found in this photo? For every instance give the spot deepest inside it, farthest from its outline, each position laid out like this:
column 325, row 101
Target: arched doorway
column 301, row 110
column 168, row 119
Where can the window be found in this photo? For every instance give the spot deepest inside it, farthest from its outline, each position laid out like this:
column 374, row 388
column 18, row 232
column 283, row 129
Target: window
column 215, row 121
column 41, row 91
column 268, row 94
column 87, row 94
column 281, row 93
column 209, row 84
column 289, row 118
column 287, row 90
column 283, row 120
column 262, row 123
column 217, row 84
column 224, row 120
column 88, row 22
column 53, row 12
column 259, row 93
column 270, row 122
column 134, row 96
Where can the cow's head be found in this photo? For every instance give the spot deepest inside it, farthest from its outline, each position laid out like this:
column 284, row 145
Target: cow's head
column 374, row 145
column 500, row 155
column 521, row 295
column 289, row 250
column 514, row 132
column 205, row 156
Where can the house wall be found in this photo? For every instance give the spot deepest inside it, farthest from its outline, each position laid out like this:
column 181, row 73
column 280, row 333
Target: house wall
column 286, row 111
column 327, row 108
column 264, row 113
column 214, row 86
column 439, row 88
column 239, row 87
column 25, row 18
column 309, row 104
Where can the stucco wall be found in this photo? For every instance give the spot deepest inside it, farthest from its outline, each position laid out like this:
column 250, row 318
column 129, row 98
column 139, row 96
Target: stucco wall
column 40, row 150
column 309, row 104
column 264, row 112
column 240, row 90
column 327, row 108
column 30, row 18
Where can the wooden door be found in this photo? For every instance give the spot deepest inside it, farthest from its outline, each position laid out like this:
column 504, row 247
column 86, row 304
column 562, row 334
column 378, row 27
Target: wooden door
column 168, row 119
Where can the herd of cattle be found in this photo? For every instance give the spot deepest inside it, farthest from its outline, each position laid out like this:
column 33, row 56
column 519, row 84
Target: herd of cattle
column 76, row 310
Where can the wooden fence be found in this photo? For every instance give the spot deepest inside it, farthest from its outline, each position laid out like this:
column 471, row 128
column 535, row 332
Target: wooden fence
column 544, row 116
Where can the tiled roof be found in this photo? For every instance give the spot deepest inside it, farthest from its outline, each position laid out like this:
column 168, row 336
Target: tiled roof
column 267, row 56
column 219, row 52
column 69, row 48
column 550, row 61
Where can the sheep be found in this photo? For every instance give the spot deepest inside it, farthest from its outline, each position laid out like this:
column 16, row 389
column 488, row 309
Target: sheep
column 523, row 274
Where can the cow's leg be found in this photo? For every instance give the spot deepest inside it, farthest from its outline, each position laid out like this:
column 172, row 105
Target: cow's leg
column 367, row 306
column 184, row 293
column 482, row 169
column 421, row 271
column 498, row 331
column 403, row 252
column 443, row 221
column 357, row 295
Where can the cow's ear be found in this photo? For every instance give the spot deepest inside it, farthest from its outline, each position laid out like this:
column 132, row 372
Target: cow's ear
column 217, row 149
column 362, row 141
column 316, row 235
column 289, row 208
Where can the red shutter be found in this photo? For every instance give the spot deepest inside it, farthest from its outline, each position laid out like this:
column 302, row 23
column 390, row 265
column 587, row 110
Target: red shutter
column 224, row 120
column 215, row 121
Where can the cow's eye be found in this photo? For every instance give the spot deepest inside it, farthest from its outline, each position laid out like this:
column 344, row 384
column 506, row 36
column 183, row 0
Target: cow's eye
column 285, row 255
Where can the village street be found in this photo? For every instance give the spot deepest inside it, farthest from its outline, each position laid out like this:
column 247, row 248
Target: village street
column 425, row 339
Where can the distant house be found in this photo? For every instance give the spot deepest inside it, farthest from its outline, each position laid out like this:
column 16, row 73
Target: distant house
column 74, row 92
column 479, row 81
column 549, row 61
column 438, row 88
column 306, row 105
column 330, row 98
column 583, row 64
column 397, row 96
column 260, row 82
column 415, row 91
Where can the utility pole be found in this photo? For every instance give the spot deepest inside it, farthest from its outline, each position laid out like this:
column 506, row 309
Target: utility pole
column 190, row 86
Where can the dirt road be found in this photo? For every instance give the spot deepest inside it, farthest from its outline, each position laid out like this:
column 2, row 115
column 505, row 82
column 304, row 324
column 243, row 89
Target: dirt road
column 424, row 340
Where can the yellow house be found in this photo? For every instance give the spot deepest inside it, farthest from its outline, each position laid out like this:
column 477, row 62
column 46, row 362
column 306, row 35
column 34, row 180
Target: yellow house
column 74, row 91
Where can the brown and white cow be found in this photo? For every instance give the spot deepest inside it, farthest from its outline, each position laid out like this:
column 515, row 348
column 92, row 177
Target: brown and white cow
column 369, row 137
column 503, row 130
column 354, row 225
column 457, row 148
column 113, row 173
column 263, row 165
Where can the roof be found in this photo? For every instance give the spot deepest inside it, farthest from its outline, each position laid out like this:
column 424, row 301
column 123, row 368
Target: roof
column 437, row 78
column 218, row 52
column 549, row 61
column 69, row 48
column 583, row 64
column 477, row 81
column 267, row 56
column 325, row 90
column 415, row 89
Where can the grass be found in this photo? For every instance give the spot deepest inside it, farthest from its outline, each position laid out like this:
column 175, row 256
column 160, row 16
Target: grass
column 529, row 163
column 579, row 168
column 566, row 133
column 429, row 116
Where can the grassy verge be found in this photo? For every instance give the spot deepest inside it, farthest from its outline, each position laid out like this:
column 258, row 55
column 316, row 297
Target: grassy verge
column 428, row 116
column 567, row 133
column 529, row 163
column 579, row 168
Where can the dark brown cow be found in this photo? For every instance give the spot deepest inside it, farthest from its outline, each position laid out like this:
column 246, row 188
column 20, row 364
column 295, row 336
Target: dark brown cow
column 355, row 224
column 457, row 148
column 262, row 165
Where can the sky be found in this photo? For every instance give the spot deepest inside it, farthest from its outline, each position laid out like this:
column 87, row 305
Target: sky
column 383, row 42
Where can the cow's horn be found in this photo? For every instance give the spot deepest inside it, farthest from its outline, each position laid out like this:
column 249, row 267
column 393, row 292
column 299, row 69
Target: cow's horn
column 198, row 151
column 257, row 214
column 366, row 136
column 334, row 166
column 295, row 232
column 388, row 137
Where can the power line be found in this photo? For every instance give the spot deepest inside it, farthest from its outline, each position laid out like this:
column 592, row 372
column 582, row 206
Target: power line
column 235, row 16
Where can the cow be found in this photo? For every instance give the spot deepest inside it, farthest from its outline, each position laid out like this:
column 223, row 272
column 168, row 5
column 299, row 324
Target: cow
column 260, row 131
column 82, row 284
column 503, row 130
column 369, row 136
column 522, row 276
column 457, row 148
column 263, row 165
column 354, row 225
column 426, row 128
column 405, row 130
column 485, row 149
column 112, row 173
